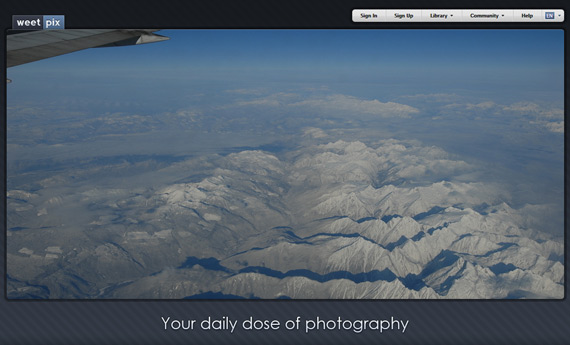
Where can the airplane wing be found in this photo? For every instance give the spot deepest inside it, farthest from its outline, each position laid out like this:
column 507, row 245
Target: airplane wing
column 24, row 47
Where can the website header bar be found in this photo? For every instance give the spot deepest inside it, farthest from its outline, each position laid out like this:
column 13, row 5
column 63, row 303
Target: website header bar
column 455, row 15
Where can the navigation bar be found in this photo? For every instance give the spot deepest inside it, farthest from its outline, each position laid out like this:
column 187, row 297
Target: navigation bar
column 449, row 15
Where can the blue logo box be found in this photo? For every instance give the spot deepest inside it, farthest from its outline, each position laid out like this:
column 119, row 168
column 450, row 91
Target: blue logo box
column 52, row 22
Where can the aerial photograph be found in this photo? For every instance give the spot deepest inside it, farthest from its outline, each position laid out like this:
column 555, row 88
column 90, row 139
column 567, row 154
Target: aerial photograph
column 288, row 164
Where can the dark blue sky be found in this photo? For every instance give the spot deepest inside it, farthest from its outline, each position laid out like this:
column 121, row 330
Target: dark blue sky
column 296, row 48
column 497, row 63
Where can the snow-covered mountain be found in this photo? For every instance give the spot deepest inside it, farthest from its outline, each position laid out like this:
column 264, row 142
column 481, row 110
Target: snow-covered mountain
column 337, row 220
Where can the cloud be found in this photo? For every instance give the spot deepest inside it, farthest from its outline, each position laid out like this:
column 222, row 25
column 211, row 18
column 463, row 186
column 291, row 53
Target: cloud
column 315, row 133
column 352, row 105
column 551, row 119
column 523, row 107
column 546, row 118
column 556, row 127
column 483, row 105
column 331, row 105
column 463, row 107
column 274, row 100
column 553, row 114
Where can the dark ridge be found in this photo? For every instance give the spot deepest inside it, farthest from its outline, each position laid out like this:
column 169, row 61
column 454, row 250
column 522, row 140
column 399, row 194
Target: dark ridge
column 443, row 259
column 418, row 236
column 443, row 289
column 433, row 210
column 193, row 178
column 353, row 235
column 283, row 297
column 432, row 230
column 329, row 218
column 389, row 247
column 388, row 218
column 212, row 264
column 272, row 148
column 333, row 235
column 126, row 252
column 412, row 281
column 481, row 209
column 292, row 237
column 296, row 239
column 244, row 251
column 459, row 206
column 281, row 227
column 108, row 291
column 504, row 245
column 555, row 257
column 365, row 219
column 18, row 228
column 460, row 238
column 463, row 236
column 501, row 268
column 292, row 234
column 304, row 242
column 78, row 279
column 399, row 242
column 372, row 276
column 77, row 288
column 215, row 295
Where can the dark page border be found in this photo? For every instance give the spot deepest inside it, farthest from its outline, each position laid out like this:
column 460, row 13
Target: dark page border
column 139, row 322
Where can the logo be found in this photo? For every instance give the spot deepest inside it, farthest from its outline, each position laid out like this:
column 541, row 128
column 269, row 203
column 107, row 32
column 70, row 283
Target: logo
column 52, row 22
column 35, row 22
column 548, row 15
column 27, row 22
